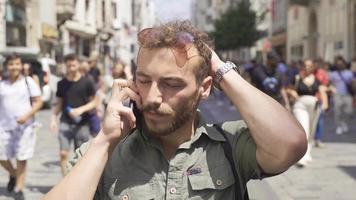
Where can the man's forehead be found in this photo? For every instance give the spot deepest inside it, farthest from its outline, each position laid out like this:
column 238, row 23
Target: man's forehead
column 165, row 57
column 157, row 60
column 147, row 55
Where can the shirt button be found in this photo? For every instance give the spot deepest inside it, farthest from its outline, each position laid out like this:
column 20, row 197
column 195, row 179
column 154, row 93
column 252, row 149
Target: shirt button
column 125, row 197
column 173, row 190
column 219, row 182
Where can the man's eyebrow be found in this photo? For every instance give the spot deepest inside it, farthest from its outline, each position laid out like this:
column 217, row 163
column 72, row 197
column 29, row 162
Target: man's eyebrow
column 139, row 73
column 178, row 79
column 173, row 78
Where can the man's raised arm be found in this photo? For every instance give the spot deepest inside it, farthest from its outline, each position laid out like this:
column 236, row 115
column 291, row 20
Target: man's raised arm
column 280, row 140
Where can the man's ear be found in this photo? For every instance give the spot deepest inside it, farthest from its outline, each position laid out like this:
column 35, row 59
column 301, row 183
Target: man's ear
column 205, row 87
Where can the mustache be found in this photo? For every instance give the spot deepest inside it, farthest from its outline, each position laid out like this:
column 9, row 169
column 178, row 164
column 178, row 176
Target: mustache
column 157, row 109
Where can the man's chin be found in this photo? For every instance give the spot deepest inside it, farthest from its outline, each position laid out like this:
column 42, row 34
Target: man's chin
column 157, row 130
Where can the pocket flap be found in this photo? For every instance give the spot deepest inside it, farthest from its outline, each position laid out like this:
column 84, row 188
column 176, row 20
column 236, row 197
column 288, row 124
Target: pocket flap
column 134, row 190
column 219, row 178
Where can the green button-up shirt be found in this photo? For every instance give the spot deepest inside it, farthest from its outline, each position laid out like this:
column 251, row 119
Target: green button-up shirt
column 138, row 169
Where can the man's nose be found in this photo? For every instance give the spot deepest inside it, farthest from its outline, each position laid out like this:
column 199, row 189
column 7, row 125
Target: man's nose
column 154, row 95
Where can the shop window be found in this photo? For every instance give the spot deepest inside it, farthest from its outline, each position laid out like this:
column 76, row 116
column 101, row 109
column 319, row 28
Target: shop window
column 297, row 52
column 208, row 19
column 86, row 47
column 15, row 16
column 296, row 14
column 338, row 45
column 114, row 10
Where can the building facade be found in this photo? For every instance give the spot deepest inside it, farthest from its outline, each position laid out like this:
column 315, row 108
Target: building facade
column 321, row 29
column 133, row 15
column 263, row 45
column 278, row 30
column 207, row 11
column 28, row 28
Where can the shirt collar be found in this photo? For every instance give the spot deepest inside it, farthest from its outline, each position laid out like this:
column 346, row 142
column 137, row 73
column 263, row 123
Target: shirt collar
column 207, row 129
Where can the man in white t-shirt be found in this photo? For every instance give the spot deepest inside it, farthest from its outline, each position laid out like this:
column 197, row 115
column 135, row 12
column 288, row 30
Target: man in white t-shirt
column 19, row 101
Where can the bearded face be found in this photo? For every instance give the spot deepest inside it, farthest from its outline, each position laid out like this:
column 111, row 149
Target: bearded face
column 170, row 93
column 163, row 119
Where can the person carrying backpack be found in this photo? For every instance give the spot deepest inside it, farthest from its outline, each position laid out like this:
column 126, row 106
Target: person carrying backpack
column 20, row 99
column 342, row 79
column 271, row 80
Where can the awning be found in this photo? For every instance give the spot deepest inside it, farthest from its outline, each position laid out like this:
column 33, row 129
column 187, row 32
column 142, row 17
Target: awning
column 21, row 51
column 80, row 29
column 279, row 39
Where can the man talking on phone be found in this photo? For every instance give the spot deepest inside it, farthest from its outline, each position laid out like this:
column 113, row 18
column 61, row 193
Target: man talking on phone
column 171, row 152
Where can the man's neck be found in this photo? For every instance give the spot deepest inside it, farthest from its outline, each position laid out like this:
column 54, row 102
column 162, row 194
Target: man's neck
column 171, row 142
column 13, row 79
column 74, row 76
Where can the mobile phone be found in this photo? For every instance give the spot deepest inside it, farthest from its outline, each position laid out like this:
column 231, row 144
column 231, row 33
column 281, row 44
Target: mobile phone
column 136, row 112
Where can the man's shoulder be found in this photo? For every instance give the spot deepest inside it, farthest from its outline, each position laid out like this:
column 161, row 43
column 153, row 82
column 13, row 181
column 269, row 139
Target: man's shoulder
column 64, row 80
column 233, row 127
column 88, row 80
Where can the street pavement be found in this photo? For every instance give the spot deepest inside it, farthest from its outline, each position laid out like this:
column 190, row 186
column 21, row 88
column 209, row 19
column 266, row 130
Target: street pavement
column 331, row 175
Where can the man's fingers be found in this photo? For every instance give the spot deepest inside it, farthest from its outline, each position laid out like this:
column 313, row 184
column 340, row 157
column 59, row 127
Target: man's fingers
column 126, row 112
column 133, row 95
column 123, row 90
column 117, row 87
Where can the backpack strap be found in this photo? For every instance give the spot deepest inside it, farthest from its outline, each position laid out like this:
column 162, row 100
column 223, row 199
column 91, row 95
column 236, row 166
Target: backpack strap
column 28, row 89
column 296, row 81
column 240, row 190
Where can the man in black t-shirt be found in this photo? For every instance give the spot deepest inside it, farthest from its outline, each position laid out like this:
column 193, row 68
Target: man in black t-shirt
column 270, row 81
column 94, row 70
column 75, row 98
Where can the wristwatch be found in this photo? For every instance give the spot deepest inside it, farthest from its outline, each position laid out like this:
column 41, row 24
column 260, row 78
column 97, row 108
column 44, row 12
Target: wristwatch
column 222, row 70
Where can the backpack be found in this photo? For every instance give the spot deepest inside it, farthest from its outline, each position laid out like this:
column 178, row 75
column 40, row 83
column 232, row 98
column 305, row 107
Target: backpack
column 351, row 87
column 240, row 190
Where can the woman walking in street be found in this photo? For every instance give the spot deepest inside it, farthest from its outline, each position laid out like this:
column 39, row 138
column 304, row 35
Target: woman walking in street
column 306, row 108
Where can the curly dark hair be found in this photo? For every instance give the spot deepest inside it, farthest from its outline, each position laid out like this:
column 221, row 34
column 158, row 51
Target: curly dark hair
column 168, row 35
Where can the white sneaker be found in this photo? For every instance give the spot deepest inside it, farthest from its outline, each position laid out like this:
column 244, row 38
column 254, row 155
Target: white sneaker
column 339, row 130
column 344, row 127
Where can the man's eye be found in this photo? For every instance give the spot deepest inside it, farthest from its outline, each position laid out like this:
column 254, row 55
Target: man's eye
column 173, row 85
column 144, row 81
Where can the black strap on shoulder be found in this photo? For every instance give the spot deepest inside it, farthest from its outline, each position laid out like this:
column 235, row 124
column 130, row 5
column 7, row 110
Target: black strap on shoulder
column 28, row 89
column 243, row 195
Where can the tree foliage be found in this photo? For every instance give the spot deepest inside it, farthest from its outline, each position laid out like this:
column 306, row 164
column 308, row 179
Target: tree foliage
column 236, row 28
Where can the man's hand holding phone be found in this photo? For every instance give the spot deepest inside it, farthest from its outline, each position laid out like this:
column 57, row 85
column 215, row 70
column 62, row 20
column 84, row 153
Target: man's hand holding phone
column 119, row 119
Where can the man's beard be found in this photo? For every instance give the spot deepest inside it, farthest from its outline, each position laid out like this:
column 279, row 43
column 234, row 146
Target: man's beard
column 184, row 112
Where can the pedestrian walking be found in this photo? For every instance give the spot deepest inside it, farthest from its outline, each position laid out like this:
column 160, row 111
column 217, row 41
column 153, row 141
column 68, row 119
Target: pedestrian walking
column 75, row 99
column 163, row 149
column 271, row 79
column 28, row 71
column 306, row 108
column 94, row 120
column 342, row 79
column 321, row 74
column 94, row 70
column 20, row 99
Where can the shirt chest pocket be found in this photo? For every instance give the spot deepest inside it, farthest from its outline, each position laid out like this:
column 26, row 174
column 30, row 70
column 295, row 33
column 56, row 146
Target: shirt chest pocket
column 132, row 190
column 210, row 182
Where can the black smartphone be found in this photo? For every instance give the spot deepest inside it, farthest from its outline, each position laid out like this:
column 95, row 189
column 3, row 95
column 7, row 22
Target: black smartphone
column 136, row 112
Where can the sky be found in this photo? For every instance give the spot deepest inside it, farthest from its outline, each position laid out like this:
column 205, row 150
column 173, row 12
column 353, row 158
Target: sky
column 173, row 9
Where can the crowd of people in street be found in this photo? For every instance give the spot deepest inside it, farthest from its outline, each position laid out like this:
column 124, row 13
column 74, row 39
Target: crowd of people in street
column 81, row 97
column 306, row 88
